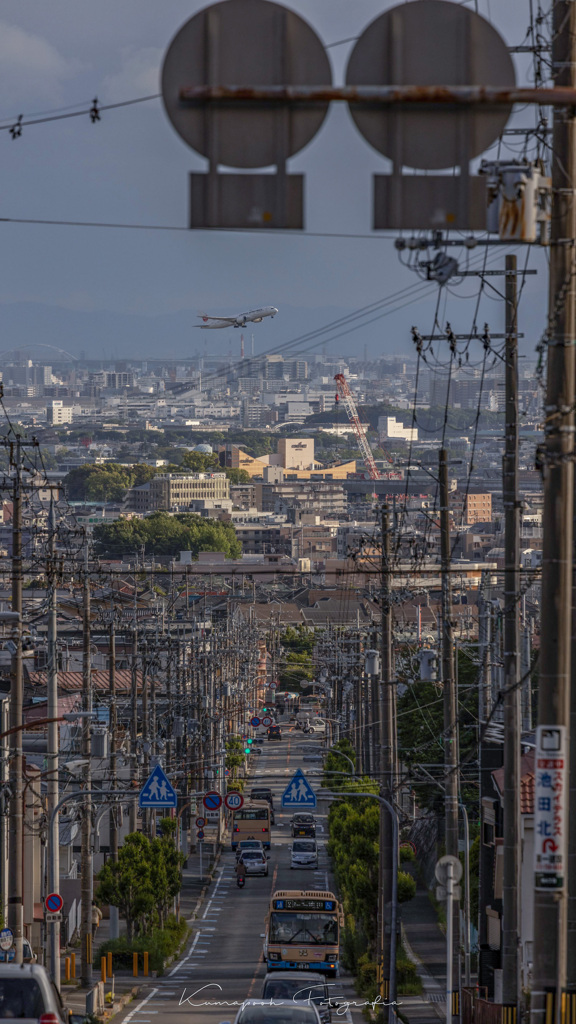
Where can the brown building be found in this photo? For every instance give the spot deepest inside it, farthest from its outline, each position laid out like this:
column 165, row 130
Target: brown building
column 478, row 509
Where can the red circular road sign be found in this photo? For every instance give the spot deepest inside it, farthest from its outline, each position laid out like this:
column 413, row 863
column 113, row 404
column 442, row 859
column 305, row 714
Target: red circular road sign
column 212, row 800
column 53, row 903
column 200, row 834
column 233, row 800
column 200, row 822
column 267, row 721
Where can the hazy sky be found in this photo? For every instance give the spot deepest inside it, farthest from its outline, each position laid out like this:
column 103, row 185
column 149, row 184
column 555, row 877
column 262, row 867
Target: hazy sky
column 131, row 292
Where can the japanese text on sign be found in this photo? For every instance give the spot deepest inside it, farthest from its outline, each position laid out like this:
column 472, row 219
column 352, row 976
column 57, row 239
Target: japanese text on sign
column 550, row 807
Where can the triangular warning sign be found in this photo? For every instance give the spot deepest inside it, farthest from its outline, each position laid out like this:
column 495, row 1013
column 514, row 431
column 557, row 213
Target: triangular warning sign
column 299, row 793
column 158, row 791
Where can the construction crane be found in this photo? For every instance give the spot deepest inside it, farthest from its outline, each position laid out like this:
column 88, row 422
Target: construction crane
column 350, row 406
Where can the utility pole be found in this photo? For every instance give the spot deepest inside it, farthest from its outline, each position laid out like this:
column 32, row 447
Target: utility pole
column 387, row 726
column 134, row 723
column 549, row 973
column 52, row 788
column 86, row 844
column 114, row 810
column 450, row 712
column 146, row 814
column 512, row 718
column 16, row 830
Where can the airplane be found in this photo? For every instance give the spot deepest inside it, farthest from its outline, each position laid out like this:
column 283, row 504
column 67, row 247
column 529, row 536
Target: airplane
column 254, row 316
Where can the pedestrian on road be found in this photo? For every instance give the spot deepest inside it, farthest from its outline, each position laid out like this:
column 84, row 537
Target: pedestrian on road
column 96, row 918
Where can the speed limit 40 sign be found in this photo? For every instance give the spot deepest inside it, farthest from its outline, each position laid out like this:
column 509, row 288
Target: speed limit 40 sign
column 233, row 801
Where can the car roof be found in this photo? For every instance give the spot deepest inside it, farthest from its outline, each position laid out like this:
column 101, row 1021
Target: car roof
column 23, row 969
column 279, row 1002
column 295, row 975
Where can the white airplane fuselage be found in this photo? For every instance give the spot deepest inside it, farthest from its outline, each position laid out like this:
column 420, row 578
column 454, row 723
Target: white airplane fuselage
column 253, row 316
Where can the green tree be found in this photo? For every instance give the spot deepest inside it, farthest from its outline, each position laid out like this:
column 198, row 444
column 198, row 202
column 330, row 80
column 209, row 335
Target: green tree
column 165, row 874
column 143, row 882
column 107, row 482
column 238, row 476
column 421, row 729
column 234, row 756
column 166, row 534
column 127, row 884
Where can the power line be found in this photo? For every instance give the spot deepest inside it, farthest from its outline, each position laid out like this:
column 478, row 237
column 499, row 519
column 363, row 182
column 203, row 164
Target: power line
column 287, row 233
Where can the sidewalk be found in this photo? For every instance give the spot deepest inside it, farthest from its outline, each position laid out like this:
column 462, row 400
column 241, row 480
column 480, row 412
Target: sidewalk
column 126, row 987
column 425, row 945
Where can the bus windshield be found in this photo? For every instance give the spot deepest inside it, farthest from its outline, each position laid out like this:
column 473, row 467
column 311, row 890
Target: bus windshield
column 302, row 928
column 251, row 815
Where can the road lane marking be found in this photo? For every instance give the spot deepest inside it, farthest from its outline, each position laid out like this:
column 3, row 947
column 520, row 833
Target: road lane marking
column 140, row 1005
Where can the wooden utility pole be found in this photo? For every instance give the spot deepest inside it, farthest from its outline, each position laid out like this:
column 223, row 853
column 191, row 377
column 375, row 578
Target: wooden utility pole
column 86, row 843
column 387, row 729
column 552, row 741
column 512, row 717
column 450, row 713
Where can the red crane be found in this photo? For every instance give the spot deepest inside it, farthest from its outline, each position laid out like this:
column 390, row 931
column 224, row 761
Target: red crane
column 350, row 406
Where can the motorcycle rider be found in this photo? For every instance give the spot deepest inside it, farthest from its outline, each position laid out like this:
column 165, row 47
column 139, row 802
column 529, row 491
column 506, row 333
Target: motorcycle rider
column 240, row 870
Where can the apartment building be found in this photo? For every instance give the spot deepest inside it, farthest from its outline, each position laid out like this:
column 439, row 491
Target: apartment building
column 478, row 509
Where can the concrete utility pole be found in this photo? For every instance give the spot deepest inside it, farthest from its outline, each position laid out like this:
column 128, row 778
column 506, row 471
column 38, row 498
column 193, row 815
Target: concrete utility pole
column 15, row 881
column 512, row 718
column 86, row 844
column 52, row 788
column 387, row 726
column 450, row 706
column 550, row 903
column 134, row 723
column 16, row 833
column 114, row 810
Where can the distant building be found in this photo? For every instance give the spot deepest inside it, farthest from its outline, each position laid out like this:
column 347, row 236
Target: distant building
column 296, row 453
column 57, row 412
column 178, row 490
column 389, row 428
column 478, row 509
column 319, row 496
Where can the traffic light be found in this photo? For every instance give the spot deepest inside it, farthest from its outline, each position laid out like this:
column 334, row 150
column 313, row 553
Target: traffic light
column 246, row 750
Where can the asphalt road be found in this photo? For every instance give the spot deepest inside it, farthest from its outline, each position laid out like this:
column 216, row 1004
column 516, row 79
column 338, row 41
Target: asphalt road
column 223, row 964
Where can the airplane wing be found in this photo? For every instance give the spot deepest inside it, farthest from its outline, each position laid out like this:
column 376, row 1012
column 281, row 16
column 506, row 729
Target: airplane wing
column 223, row 319
column 214, row 327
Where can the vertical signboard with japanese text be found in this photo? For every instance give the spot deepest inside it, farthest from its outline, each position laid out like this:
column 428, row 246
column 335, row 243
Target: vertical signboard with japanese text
column 550, row 807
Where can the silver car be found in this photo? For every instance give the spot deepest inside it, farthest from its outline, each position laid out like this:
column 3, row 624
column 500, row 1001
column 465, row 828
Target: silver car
column 255, row 862
column 304, row 853
column 27, row 993
column 308, row 987
column 285, row 1011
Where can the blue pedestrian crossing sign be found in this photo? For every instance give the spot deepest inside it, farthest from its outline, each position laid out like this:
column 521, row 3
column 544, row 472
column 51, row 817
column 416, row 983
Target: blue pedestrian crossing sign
column 299, row 793
column 158, row 791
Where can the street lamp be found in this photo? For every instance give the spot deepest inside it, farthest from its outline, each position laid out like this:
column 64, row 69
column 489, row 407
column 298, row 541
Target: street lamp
column 52, row 879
